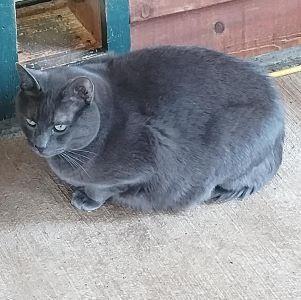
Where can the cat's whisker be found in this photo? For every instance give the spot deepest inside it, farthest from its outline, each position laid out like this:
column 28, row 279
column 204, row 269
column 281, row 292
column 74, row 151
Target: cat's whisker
column 76, row 162
column 66, row 159
column 86, row 151
column 81, row 155
column 71, row 162
column 76, row 158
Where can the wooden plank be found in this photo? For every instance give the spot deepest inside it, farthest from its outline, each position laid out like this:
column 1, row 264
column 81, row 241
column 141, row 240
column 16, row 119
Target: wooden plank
column 116, row 25
column 22, row 3
column 141, row 10
column 88, row 13
column 8, row 58
column 40, row 8
column 245, row 27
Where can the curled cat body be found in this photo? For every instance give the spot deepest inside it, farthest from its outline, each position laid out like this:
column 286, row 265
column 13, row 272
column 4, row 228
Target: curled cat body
column 155, row 129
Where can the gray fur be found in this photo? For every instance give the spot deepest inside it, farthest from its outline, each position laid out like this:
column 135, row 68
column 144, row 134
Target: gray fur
column 155, row 129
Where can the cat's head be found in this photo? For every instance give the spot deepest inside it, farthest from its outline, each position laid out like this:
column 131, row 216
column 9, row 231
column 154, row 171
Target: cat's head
column 56, row 112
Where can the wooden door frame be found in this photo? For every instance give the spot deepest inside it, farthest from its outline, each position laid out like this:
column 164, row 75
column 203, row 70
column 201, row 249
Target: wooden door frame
column 8, row 58
column 115, row 17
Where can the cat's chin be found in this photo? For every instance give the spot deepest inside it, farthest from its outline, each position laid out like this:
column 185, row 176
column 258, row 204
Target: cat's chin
column 46, row 155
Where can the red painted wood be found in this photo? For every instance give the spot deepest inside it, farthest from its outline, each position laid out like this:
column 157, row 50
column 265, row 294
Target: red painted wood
column 251, row 27
column 147, row 9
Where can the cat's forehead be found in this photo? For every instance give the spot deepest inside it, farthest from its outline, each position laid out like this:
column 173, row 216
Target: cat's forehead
column 62, row 117
column 65, row 110
column 48, row 109
column 41, row 107
column 53, row 103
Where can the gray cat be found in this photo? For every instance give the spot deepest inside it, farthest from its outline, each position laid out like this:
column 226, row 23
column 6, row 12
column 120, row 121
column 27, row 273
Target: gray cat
column 155, row 129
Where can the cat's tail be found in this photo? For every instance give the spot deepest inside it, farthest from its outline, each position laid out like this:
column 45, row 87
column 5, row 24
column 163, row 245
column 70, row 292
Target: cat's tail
column 220, row 194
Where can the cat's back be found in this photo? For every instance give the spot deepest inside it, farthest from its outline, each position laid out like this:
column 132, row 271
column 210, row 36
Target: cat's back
column 197, row 74
column 185, row 83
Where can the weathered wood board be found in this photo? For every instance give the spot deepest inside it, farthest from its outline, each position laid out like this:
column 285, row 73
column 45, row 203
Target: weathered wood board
column 142, row 10
column 239, row 27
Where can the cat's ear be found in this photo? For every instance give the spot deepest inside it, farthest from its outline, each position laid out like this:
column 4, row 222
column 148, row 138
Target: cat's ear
column 82, row 88
column 28, row 81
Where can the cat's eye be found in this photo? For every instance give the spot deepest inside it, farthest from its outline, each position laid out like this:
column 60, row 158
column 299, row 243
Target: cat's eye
column 31, row 123
column 60, row 127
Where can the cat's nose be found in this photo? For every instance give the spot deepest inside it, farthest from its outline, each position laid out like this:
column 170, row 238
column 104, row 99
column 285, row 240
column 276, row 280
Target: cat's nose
column 40, row 149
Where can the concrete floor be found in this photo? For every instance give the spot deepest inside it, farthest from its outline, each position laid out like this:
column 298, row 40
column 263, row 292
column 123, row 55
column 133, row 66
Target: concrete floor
column 236, row 250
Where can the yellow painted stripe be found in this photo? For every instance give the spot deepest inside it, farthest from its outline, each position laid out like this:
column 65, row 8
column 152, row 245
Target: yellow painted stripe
column 286, row 71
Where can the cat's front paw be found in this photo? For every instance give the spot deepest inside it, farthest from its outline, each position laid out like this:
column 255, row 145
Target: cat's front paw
column 81, row 201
